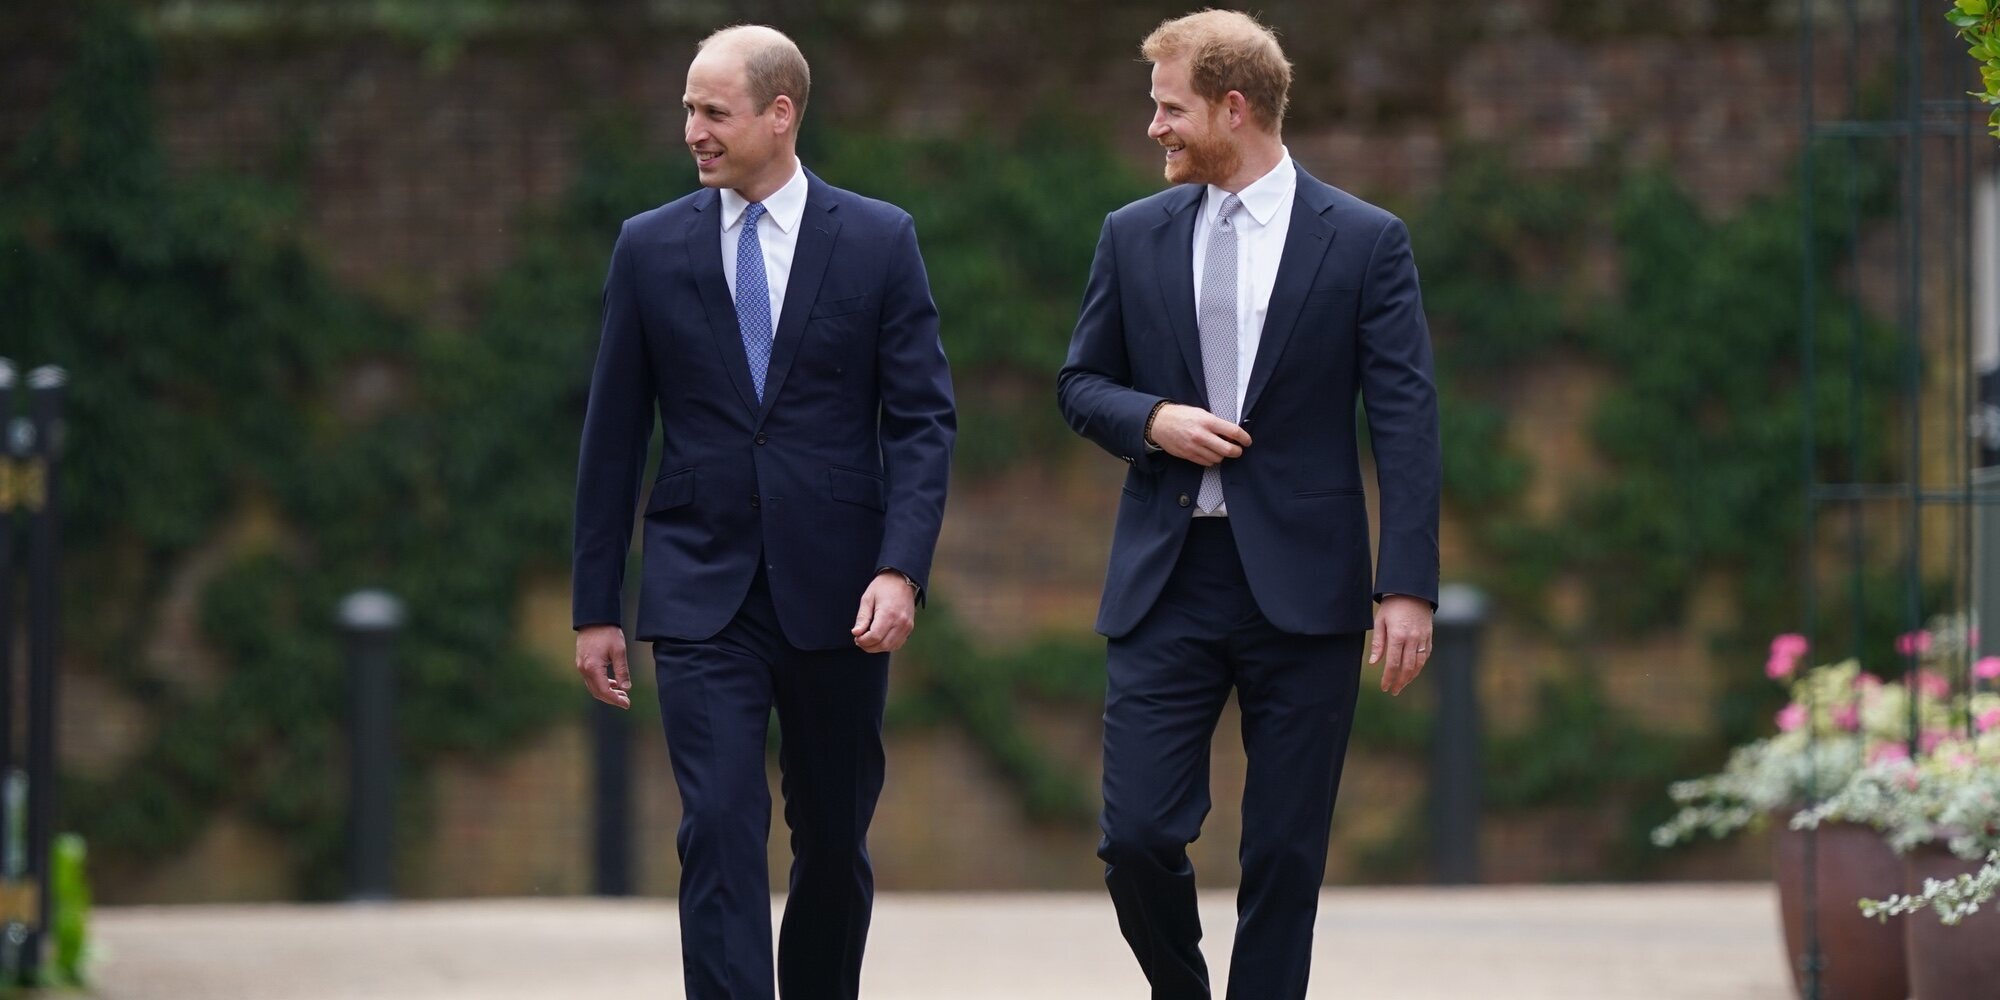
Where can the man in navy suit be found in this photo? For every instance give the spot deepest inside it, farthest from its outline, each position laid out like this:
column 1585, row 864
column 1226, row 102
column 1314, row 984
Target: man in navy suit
column 1229, row 325
column 783, row 332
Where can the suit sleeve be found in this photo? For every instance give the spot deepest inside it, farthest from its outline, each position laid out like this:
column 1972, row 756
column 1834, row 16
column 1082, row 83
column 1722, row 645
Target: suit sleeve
column 616, row 427
column 1400, row 394
column 1094, row 388
column 918, row 419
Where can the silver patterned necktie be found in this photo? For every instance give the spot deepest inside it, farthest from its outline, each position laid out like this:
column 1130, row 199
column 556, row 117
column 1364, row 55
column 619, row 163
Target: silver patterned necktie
column 753, row 298
column 1215, row 316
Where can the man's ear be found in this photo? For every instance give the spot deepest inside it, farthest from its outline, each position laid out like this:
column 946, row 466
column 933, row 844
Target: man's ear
column 1239, row 108
column 786, row 117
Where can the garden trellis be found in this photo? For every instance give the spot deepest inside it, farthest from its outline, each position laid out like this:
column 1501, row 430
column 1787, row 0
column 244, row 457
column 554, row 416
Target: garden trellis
column 1899, row 517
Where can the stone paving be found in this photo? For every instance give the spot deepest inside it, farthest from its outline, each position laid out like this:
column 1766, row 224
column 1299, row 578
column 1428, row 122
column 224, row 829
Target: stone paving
column 1656, row 942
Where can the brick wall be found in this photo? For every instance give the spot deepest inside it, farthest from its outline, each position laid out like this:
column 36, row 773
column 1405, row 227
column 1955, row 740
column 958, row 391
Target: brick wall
column 416, row 171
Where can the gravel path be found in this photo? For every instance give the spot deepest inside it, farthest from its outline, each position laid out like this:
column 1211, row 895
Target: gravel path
column 1699, row 942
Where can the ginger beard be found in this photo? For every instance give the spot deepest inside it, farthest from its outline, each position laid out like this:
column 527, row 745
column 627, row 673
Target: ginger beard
column 1206, row 159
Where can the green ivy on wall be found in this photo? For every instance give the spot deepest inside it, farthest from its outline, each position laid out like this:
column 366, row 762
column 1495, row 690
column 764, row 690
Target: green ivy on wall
column 1699, row 427
column 215, row 366
column 1008, row 230
column 224, row 379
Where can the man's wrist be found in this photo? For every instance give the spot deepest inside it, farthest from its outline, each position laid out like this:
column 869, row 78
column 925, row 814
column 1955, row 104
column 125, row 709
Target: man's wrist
column 1147, row 434
column 915, row 587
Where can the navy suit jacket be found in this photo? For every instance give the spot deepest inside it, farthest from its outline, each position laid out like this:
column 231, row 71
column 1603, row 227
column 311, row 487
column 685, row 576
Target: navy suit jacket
column 838, row 473
column 1345, row 321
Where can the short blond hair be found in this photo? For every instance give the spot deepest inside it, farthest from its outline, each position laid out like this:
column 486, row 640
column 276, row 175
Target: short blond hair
column 772, row 64
column 1228, row 50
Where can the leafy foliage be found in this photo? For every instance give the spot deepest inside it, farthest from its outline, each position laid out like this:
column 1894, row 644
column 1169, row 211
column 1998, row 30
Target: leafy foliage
column 225, row 381
column 217, row 368
column 1008, row 232
column 1978, row 22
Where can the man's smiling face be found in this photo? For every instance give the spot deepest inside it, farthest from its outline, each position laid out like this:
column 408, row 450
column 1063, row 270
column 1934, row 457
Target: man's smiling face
column 1192, row 130
column 733, row 142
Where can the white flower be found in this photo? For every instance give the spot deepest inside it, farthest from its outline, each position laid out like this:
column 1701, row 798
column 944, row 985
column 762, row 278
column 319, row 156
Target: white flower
column 1953, row 899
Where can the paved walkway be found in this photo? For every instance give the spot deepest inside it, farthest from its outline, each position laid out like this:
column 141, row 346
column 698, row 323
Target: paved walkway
column 1582, row 943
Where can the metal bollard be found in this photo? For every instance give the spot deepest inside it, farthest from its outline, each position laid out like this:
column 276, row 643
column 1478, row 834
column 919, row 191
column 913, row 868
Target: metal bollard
column 611, row 776
column 1455, row 769
column 611, row 800
column 371, row 619
column 16, row 436
column 39, row 496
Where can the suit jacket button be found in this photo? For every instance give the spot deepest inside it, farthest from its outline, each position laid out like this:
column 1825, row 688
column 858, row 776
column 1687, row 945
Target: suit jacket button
column 1184, row 500
column 753, row 500
column 761, row 439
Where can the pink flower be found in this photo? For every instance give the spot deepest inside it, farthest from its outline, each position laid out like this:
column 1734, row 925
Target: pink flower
column 1932, row 684
column 1866, row 682
column 1785, row 653
column 1913, row 643
column 1931, row 739
column 1987, row 668
column 1791, row 717
column 1847, row 717
column 1987, row 720
column 1884, row 752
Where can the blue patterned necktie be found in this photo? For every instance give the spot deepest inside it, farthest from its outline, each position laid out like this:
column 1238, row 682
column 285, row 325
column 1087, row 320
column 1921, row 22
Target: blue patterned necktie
column 1215, row 317
column 753, row 298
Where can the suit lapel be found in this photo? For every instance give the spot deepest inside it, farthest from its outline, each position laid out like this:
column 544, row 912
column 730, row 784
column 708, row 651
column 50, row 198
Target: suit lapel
column 1306, row 242
column 817, row 229
column 1173, row 247
column 704, row 249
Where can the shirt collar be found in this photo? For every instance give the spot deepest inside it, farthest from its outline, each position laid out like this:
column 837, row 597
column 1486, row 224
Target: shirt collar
column 785, row 207
column 1263, row 197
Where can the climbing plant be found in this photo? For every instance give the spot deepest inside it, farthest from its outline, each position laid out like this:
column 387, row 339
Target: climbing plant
column 216, row 370
column 248, row 431
column 1978, row 22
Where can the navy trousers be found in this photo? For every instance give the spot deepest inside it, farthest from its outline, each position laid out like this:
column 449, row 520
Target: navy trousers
column 716, row 698
column 1167, row 681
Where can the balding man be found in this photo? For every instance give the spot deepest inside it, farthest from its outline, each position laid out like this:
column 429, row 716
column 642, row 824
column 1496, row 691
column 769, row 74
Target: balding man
column 1229, row 327
column 783, row 332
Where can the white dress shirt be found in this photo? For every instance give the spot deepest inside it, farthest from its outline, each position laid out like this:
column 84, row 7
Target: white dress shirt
column 777, row 234
column 1261, row 226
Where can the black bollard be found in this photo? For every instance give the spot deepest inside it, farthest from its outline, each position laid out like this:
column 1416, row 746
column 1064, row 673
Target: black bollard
column 371, row 619
column 40, row 497
column 16, row 435
column 1455, row 772
column 611, row 793
column 611, row 776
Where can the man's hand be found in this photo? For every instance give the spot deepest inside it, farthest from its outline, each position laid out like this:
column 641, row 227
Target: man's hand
column 1197, row 435
column 1403, row 632
column 599, row 647
column 888, row 613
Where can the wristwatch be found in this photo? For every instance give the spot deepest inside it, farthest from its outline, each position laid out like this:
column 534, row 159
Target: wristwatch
column 907, row 578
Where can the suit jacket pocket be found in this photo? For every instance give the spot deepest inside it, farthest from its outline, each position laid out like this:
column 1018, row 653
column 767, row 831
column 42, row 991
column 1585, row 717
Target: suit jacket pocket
column 856, row 487
column 840, row 307
column 1339, row 491
column 675, row 489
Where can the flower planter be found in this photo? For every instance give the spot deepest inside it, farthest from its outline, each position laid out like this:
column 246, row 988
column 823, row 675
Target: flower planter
column 1863, row 958
column 1956, row 962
